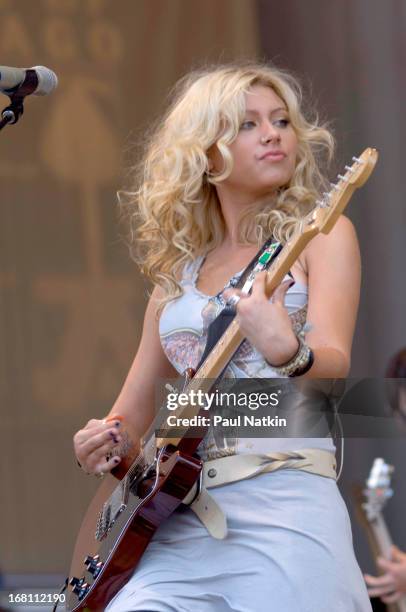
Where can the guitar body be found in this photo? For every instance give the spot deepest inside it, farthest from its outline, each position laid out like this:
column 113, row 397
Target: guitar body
column 114, row 553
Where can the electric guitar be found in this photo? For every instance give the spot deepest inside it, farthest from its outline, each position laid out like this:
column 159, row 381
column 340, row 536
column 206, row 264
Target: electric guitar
column 370, row 501
column 124, row 515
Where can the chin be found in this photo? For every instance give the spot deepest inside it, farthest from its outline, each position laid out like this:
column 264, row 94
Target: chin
column 272, row 186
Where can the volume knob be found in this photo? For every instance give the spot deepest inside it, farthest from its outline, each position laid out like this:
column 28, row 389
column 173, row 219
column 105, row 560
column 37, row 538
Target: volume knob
column 76, row 584
column 79, row 587
column 93, row 565
column 90, row 560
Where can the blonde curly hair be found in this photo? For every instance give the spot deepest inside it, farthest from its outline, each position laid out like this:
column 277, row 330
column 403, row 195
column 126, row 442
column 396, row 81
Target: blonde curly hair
column 173, row 208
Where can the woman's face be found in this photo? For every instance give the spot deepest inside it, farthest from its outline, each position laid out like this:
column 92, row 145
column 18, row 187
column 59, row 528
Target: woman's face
column 264, row 151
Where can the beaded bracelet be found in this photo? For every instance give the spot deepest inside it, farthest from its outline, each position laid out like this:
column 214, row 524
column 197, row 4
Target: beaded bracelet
column 300, row 363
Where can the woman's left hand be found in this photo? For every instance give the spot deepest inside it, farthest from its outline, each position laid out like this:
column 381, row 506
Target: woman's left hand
column 266, row 324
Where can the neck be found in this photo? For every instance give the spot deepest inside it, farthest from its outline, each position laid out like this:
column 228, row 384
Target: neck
column 233, row 203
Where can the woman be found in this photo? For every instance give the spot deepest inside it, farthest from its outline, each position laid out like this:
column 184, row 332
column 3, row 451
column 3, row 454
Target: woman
column 233, row 162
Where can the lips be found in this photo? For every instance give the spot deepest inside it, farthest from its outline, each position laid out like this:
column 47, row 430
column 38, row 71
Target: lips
column 274, row 155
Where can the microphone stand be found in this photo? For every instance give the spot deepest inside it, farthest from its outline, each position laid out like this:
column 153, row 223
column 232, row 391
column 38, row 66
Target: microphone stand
column 13, row 111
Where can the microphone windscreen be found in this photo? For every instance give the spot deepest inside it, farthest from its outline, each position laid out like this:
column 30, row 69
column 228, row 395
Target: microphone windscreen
column 47, row 80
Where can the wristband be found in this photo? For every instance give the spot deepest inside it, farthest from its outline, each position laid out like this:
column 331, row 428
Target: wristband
column 299, row 364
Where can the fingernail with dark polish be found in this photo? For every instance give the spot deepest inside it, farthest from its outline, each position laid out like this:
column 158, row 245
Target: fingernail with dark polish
column 116, row 460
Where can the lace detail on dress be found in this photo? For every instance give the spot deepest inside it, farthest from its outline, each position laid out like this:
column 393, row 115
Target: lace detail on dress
column 298, row 319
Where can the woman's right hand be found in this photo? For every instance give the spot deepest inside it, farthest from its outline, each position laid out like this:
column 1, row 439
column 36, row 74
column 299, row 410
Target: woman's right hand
column 95, row 444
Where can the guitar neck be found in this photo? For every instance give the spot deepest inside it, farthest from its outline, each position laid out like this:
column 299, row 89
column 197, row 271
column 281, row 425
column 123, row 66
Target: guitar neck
column 379, row 536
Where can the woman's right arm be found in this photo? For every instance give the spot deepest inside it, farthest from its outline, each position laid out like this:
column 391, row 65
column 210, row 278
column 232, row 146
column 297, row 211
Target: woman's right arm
column 135, row 403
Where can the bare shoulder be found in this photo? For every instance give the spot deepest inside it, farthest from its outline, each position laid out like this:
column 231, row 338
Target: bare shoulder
column 156, row 294
column 340, row 244
column 152, row 304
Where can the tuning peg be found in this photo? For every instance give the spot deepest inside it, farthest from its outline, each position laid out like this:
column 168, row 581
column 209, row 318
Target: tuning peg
column 358, row 159
column 326, row 196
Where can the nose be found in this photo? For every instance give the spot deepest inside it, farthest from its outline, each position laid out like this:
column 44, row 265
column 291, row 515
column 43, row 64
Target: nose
column 270, row 134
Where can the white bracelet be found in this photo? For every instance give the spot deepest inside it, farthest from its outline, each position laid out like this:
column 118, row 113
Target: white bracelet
column 300, row 363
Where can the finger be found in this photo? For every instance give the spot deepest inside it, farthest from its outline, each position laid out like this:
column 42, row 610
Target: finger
column 107, row 465
column 259, row 284
column 104, row 450
column 388, row 599
column 97, row 441
column 388, row 566
column 397, row 554
column 227, row 293
column 383, row 591
column 89, row 460
column 278, row 296
column 95, row 426
column 384, row 580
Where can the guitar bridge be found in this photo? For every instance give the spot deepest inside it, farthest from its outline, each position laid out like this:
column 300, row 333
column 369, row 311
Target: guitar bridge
column 112, row 509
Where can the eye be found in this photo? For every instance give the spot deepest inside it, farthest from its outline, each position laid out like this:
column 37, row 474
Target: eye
column 247, row 125
column 283, row 123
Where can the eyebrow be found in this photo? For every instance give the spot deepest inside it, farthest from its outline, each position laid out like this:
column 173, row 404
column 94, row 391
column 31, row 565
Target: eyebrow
column 275, row 110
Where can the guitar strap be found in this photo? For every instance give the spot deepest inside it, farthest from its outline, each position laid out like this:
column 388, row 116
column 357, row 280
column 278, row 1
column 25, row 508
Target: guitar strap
column 219, row 325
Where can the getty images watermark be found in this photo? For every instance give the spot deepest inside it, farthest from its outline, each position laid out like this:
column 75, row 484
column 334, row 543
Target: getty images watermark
column 237, row 401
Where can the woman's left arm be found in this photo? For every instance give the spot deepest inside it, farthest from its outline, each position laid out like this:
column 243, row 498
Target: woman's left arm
column 334, row 271
column 334, row 276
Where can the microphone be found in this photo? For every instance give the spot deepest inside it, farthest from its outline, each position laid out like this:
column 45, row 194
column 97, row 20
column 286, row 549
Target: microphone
column 37, row 80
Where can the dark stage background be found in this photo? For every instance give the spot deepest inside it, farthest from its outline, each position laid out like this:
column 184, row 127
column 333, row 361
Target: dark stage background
column 72, row 303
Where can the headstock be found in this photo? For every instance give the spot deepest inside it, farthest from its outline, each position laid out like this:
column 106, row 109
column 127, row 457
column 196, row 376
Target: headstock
column 333, row 203
column 378, row 489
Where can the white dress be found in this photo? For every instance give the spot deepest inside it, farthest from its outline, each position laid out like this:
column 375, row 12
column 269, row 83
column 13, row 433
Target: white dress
column 289, row 542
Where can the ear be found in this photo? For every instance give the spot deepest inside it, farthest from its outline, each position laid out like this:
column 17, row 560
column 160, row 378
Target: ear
column 213, row 158
column 210, row 162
